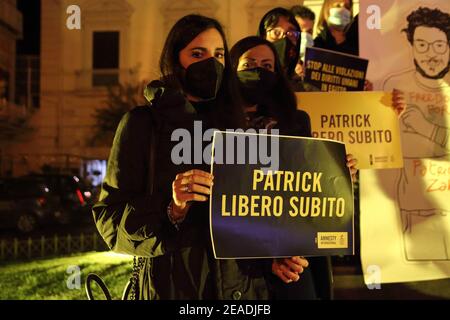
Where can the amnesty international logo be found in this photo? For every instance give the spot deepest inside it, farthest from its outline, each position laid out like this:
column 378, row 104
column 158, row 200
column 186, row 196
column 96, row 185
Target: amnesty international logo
column 332, row 240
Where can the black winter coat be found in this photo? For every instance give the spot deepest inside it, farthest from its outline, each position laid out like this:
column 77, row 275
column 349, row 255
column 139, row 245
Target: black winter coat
column 317, row 280
column 131, row 214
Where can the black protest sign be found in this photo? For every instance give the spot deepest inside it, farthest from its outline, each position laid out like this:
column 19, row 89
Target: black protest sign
column 301, row 206
column 334, row 71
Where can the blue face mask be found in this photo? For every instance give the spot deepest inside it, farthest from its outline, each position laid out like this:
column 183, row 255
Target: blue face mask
column 307, row 42
column 339, row 17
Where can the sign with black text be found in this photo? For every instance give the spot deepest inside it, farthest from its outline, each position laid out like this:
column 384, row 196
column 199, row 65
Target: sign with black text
column 333, row 71
column 301, row 206
column 365, row 121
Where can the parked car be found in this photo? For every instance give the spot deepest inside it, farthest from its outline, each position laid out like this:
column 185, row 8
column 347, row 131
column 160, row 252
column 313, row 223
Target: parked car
column 26, row 204
column 73, row 194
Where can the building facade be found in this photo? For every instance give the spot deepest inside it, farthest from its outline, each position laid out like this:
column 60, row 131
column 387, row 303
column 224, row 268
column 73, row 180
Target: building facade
column 119, row 42
column 11, row 29
column 10, row 32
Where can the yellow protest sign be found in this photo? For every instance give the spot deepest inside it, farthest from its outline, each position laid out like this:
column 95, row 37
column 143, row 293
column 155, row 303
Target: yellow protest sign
column 364, row 121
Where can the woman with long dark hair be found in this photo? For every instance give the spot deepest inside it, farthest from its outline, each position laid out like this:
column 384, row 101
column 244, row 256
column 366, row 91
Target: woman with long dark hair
column 272, row 76
column 270, row 103
column 153, row 202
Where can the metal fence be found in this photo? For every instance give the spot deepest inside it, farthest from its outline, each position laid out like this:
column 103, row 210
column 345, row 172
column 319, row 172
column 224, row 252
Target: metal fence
column 57, row 245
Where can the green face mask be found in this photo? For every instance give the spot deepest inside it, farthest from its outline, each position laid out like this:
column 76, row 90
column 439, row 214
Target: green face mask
column 287, row 52
column 256, row 84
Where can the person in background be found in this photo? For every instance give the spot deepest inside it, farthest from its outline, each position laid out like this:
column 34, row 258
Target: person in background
column 270, row 103
column 280, row 27
column 337, row 29
column 306, row 19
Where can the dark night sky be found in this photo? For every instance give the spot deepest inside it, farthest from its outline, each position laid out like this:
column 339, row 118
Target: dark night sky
column 31, row 11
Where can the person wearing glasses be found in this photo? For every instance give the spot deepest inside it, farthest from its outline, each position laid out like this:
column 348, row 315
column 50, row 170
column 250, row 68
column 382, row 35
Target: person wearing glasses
column 279, row 27
column 425, row 133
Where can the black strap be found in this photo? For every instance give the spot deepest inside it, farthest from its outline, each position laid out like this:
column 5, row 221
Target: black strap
column 92, row 277
column 138, row 262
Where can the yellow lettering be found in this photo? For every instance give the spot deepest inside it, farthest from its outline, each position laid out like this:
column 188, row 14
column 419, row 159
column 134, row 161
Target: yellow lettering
column 288, row 180
column 294, row 209
column 315, row 207
column 340, row 207
column 316, row 184
column 278, row 184
column 268, row 186
column 254, row 206
column 305, row 187
column 265, row 206
column 304, row 206
column 258, row 176
column 243, row 206
column 224, row 206
column 278, row 206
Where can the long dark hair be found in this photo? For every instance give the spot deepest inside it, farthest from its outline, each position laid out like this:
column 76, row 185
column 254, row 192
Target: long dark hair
column 282, row 93
column 227, row 110
column 270, row 20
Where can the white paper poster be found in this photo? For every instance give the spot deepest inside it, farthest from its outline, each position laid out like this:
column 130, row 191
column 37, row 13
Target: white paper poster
column 405, row 213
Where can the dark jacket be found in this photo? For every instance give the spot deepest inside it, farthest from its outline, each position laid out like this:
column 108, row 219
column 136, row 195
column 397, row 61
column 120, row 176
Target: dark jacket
column 299, row 85
column 325, row 40
column 317, row 280
column 132, row 216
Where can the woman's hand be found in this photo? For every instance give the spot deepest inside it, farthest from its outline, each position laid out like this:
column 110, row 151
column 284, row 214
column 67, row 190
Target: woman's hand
column 398, row 101
column 351, row 164
column 193, row 185
column 289, row 269
column 368, row 86
column 299, row 69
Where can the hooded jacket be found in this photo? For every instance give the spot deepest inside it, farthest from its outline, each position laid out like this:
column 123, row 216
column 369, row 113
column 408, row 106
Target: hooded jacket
column 131, row 214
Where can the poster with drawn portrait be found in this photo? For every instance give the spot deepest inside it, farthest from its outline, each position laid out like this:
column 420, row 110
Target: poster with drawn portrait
column 405, row 213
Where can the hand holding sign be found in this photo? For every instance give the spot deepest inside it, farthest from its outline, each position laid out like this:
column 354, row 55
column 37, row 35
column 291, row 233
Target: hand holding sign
column 368, row 86
column 193, row 185
column 304, row 207
column 351, row 164
column 398, row 101
column 289, row 269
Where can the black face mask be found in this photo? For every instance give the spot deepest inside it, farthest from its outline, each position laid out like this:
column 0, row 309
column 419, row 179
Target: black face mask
column 287, row 52
column 203, row 79
column 257, row 85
